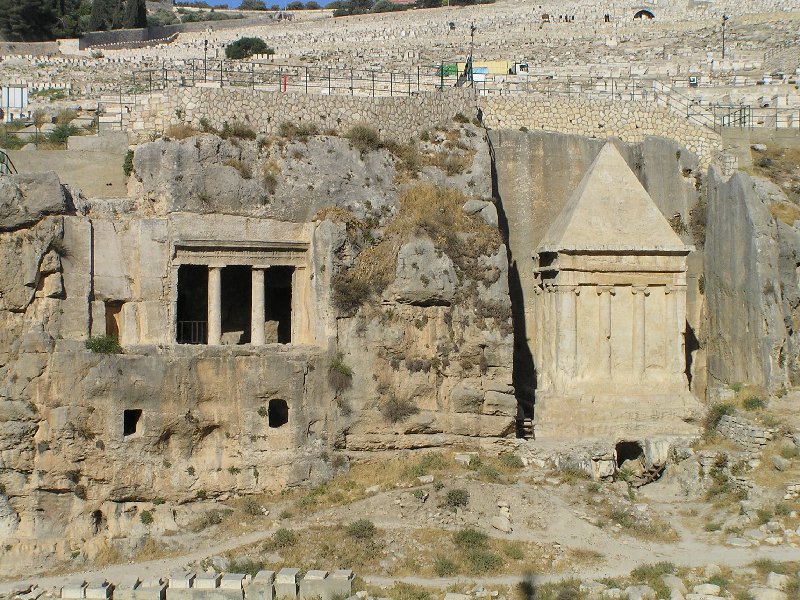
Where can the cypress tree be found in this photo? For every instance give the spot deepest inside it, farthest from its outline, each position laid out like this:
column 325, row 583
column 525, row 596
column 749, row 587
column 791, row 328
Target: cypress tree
column 135, row 14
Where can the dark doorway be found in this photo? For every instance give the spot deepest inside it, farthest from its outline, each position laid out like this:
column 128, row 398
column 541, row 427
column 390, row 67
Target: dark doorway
column 691, row 345
column 644, row 14
column 628, row 451
column 278, row 302
column 131, row 421
column 192, row 309
column 237, row 285
column 99, row 522
column 278, row 413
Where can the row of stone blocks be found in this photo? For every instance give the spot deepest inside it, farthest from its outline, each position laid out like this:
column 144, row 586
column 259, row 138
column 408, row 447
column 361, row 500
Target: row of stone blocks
column 266, row 585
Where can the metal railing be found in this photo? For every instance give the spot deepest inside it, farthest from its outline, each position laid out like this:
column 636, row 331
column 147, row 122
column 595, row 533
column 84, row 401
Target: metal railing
column 6, row 166
column 192, row 332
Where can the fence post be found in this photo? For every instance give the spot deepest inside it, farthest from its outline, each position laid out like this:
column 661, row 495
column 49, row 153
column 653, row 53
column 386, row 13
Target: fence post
column 418, row 79
column 253, row 75
column 150, row 77
column 351, row 82
column 280, row 76
column 373, row 84
column 391, row 83
column 329, row 81
column 306, row 79
column 221, row 73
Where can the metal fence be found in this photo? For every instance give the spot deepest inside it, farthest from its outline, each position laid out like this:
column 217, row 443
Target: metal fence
column 6, row 166
column 192, row 332
column 308, row 79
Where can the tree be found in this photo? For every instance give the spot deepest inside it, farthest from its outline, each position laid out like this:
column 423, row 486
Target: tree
column 39, row 20
column 247, row 46
column 135, row 14
column 312, row 5
column 295, row 5
column 106, row 14
column 252, row 5
column 39, row 118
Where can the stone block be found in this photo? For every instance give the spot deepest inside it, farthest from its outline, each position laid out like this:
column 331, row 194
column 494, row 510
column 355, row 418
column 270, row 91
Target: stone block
column 181, row 580
column 340, row 583
column 76, row 590
column 261, row 587
column 286, row 583
column 98, row 591
column 207, row 581
column 313, row 585
column 232, row 581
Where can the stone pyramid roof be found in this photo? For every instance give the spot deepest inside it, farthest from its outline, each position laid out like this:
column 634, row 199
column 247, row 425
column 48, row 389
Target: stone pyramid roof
column 610, row 211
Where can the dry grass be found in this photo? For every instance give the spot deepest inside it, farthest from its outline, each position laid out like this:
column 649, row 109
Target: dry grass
column 785, row 212
column 419, row 552
column 244, row 169
column 269, row 176
column 425, row 211
column 181, row 131
column 781, row 167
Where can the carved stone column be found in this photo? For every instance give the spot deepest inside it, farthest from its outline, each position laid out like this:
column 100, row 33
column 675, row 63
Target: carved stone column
column 567, row 332
column 639, row 329
column 257, row 307
column 604, row 359
column 214, row 305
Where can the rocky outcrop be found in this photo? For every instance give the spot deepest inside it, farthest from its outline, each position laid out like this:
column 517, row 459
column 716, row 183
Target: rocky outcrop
column 751, row 284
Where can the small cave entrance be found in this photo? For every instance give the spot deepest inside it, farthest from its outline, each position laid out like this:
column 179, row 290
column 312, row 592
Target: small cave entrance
column 113, row 318
column 644, row 14
column 131, row 422
column 278, row 304
column 277, row 413
column 99, row 522
column 237, row 285
column 626, row 451
column 192, row 309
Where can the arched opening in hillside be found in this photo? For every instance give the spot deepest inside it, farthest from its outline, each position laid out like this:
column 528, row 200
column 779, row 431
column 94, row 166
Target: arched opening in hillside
column 644, row 14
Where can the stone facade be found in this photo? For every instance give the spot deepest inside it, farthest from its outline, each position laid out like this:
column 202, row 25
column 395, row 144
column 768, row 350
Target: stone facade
column 610, row 314
column 744, row 433
column 630, row 121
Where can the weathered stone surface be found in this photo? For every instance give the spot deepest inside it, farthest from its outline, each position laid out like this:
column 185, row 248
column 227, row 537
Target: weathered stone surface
column 26, row 199
column 424, row 276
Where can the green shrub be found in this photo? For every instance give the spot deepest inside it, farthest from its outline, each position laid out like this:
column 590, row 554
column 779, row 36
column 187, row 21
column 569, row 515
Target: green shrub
column 61, row 132
column 456, row 498
column 460, row 118
column 246, row 565
column 284, row 538
column 482, row 561
column 104, row 344
column 511, row 461
column 364, row 138
column 247, row 46
column 444, row 567
column 653, row 571
column 237, row 130
column 146, row 517
column 363, row 529
column 158, row 501
column 127, row 164
column 753, row 403
column 340, row 376
column 426, row 463
column 301, row 132
column 470, row 537
column 716, row 412
column 514, row 551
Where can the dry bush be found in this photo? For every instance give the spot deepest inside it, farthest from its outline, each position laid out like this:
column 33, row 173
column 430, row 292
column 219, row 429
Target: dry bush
column 785, row 212
column 396, row 410
column 364, row 138
column 450, row 163
column 244, row 169
column 301, row 132
column 181, row 131
column 269, row 176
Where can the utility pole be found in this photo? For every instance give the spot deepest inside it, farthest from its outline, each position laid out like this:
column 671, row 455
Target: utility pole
column 724, row 20
column 472, row 29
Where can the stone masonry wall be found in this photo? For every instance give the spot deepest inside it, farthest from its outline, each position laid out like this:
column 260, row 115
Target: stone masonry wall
column 630, row 121
column 744, row 433
column 397, row 118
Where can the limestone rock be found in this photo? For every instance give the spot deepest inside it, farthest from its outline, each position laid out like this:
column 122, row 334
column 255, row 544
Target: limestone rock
column 674, row 583
column 777, row 581
column 765, row 593
column 640, row 592
column 26, row 199
column 424, row 276
column 706, row 589
column 501, row 523
column 780, row 463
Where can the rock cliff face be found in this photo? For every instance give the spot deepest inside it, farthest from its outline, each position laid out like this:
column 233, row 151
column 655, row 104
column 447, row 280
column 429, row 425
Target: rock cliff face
column 421, row 348
column 751, row 284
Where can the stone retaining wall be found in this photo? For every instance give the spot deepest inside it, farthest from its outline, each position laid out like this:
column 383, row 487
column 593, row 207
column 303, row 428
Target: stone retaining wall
column 630, row 121
column 744, row 433
column 397, row 118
